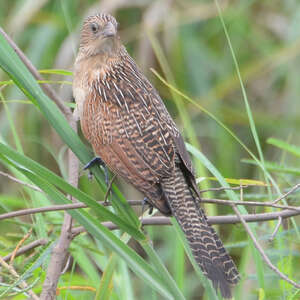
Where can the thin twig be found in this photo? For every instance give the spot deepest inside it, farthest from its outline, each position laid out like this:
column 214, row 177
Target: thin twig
column 241, row 193
column 26, row 248
column 137, row 202
column 219, row 189
column 29, row 211
column 109, row 225
column 215, row 220
column 260, row 250
column 60, row 251
column 22, row 283
column 248, row 203
column 51, row 208
column 47, row 88
column 21, row 182
column 66, row 265
column 286, row 194
column 27, row 235
column 257, row 245
column 276, row 229
column 75, row 288
column 109, row 188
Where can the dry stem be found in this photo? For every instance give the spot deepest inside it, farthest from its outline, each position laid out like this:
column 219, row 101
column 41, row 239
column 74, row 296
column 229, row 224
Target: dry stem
column 22, row 283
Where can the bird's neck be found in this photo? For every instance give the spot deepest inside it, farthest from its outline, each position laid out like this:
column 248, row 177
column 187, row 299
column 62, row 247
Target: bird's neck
column 101, row 60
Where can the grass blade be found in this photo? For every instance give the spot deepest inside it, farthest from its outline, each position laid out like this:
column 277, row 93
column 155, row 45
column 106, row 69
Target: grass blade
column 284, row 146
column 43, row 172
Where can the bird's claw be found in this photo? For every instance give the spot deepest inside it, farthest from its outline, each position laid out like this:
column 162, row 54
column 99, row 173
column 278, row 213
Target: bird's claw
column 97, row 160
column 145, row 201
column 109, row 186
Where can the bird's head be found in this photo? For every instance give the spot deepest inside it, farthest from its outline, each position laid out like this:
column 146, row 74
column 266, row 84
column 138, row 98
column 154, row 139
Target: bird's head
column 99, row 35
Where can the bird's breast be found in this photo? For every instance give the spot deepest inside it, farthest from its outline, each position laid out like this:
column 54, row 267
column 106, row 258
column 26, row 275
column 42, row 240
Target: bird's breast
column 80, row 95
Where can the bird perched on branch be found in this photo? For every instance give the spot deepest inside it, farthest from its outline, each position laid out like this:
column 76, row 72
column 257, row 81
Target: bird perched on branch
column 126, row 122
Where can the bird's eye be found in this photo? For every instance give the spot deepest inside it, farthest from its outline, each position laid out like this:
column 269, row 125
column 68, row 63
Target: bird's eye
column 94, row 27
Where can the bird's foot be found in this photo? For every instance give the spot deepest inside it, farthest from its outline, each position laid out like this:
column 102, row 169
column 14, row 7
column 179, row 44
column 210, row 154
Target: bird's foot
column 97, row 161
column 145, row 201
column 108, row 191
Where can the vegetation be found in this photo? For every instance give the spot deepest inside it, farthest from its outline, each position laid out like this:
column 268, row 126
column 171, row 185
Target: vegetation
column 227, row 71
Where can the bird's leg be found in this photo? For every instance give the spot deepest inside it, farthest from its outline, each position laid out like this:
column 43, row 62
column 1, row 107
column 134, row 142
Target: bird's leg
column 145, row 201
column 94, row 161
column 97, row 160
column 109, row 188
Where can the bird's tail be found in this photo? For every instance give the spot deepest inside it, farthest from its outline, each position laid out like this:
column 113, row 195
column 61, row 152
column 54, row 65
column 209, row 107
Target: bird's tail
column 205, row 244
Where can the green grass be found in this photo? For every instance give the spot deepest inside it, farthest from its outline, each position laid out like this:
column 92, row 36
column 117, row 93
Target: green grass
column 228, row 74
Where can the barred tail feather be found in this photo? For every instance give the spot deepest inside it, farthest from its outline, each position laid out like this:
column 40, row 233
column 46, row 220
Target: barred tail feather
column 205, row 244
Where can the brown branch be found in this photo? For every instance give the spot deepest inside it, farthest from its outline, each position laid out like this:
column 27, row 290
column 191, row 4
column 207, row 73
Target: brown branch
column 58, row 256
column 109, row 188
column 60, row 253
column 229, row 219
column 249, row 203
column 111, row 226
column 276, row 229
column 297, row 186
column 19, row 246
column 138, row 202
column 46, row 87
column 26, row 248
column 29, row 211
column 260, row 250
column 215, row 220
column 33, row 187
column 66, row 265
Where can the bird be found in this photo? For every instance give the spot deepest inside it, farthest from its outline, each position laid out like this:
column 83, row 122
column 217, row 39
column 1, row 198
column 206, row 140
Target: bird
column 128, row 126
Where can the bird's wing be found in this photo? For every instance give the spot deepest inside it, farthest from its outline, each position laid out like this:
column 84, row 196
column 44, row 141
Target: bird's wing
column 151, row 95
column 176, row 138
column 178, row 141
column 119, row 113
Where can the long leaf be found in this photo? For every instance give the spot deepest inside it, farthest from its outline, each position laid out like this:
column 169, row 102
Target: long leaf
column 43, row 172
column 285, row 146
column 97, row 230
column 106, row 284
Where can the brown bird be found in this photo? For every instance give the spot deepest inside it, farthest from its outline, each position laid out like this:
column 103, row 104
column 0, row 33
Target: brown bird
column 126, row 122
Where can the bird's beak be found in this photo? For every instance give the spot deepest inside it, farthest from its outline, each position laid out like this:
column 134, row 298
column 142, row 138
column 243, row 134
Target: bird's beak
column 109, row 30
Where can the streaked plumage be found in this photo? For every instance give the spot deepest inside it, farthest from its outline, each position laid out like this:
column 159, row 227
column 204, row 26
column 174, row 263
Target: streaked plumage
column 126, row 122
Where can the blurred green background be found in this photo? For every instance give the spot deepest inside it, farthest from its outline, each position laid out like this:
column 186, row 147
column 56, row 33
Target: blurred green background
column 185, row 42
